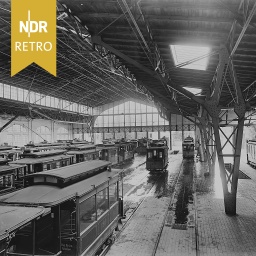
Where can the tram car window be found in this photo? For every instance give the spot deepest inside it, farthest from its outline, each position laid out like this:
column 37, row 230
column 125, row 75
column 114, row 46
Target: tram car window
column 188, row 147
column 84, row 203
column 157, row 155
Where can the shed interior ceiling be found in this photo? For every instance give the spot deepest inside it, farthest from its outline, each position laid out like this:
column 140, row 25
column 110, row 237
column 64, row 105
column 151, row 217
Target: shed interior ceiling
column 139, row 29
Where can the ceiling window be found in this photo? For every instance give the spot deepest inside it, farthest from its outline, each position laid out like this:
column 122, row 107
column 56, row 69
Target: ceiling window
column 195, row 91
column 184, row 53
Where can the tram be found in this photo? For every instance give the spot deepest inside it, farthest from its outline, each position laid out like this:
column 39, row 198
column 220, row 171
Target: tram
column 11, row 177
column 135, row 143
column 108, row 152
column 46, row 160
column 10, row 153
column 125, row 151
column 3, row 158
column 251, row 152
column 84, row 152
column 57, row 145
column 85, row 206
column 188, row 147
column 14, row 219
column 5, row 148
column 142, row 146
column 117, row 153
column 12, row 173
column 157, row 155
column 79, row 142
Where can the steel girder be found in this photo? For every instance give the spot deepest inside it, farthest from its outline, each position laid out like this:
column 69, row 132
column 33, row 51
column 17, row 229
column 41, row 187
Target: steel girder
column 211, row 105
column 165, row 82
column 208, row 148
column 229, row 173
column 9, row 122
column 88, row 128
column 107, row 56
column 151, row 49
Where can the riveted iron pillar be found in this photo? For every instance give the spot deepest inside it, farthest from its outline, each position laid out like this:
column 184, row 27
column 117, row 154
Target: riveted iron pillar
column 229, row 172
column 208, row 143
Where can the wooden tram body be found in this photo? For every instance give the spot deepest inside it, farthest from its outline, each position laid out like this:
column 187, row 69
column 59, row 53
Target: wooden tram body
column 13, row 154
column 56, row 145
column 13, row 220
column 188, row 147
column 142, row 146
column 125, row 151
column 5, row 148
column 251, row 152
column 85, row 208
column 10, row 153
column 117, row 153
column 4, row 158
column 84, row 152
column 108, row 152
column 45, row 148
column 46, row 160
column 36, row 153
column 157, row 155
column 135, row 143
column 11, row 177
column 79, row 142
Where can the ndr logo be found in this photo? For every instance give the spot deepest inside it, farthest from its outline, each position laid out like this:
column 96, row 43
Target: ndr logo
column 31, row 26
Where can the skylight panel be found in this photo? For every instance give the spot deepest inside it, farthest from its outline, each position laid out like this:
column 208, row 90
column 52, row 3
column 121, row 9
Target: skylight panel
column 195, row 91
column 183, row 53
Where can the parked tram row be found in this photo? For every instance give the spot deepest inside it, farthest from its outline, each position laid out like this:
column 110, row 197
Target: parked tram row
column 72, row 210
column 67, row 205
column 77, row 197
column 38, row 158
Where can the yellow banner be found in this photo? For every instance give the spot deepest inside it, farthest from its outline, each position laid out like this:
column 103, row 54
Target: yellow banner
column 33, row 34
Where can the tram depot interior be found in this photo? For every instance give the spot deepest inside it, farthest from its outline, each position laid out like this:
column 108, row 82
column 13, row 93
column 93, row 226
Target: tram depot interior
column 129, row 70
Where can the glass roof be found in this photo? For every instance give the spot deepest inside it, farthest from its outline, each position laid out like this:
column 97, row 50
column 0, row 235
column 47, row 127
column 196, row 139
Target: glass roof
column 184, row 53
column 195, row 91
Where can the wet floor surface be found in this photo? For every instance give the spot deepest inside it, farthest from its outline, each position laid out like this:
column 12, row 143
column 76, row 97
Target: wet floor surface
column 220, row 234
column 184, row 195
column 195, row 222
column 139, row 182
column 147, row 201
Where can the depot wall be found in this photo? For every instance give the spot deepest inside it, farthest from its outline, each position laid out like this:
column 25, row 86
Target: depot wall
column 23, row 130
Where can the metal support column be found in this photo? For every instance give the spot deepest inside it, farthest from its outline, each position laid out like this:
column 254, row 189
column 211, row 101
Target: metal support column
column 229, row 172
column 182, row 129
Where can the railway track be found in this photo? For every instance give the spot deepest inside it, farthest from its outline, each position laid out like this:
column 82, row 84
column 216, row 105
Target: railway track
column 166, row 214
column 151, row 190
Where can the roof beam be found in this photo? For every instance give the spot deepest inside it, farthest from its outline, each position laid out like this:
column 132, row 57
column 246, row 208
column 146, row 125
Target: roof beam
column 247, row 22
column 97, row 40
column 9, row 122
column 88, row 15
